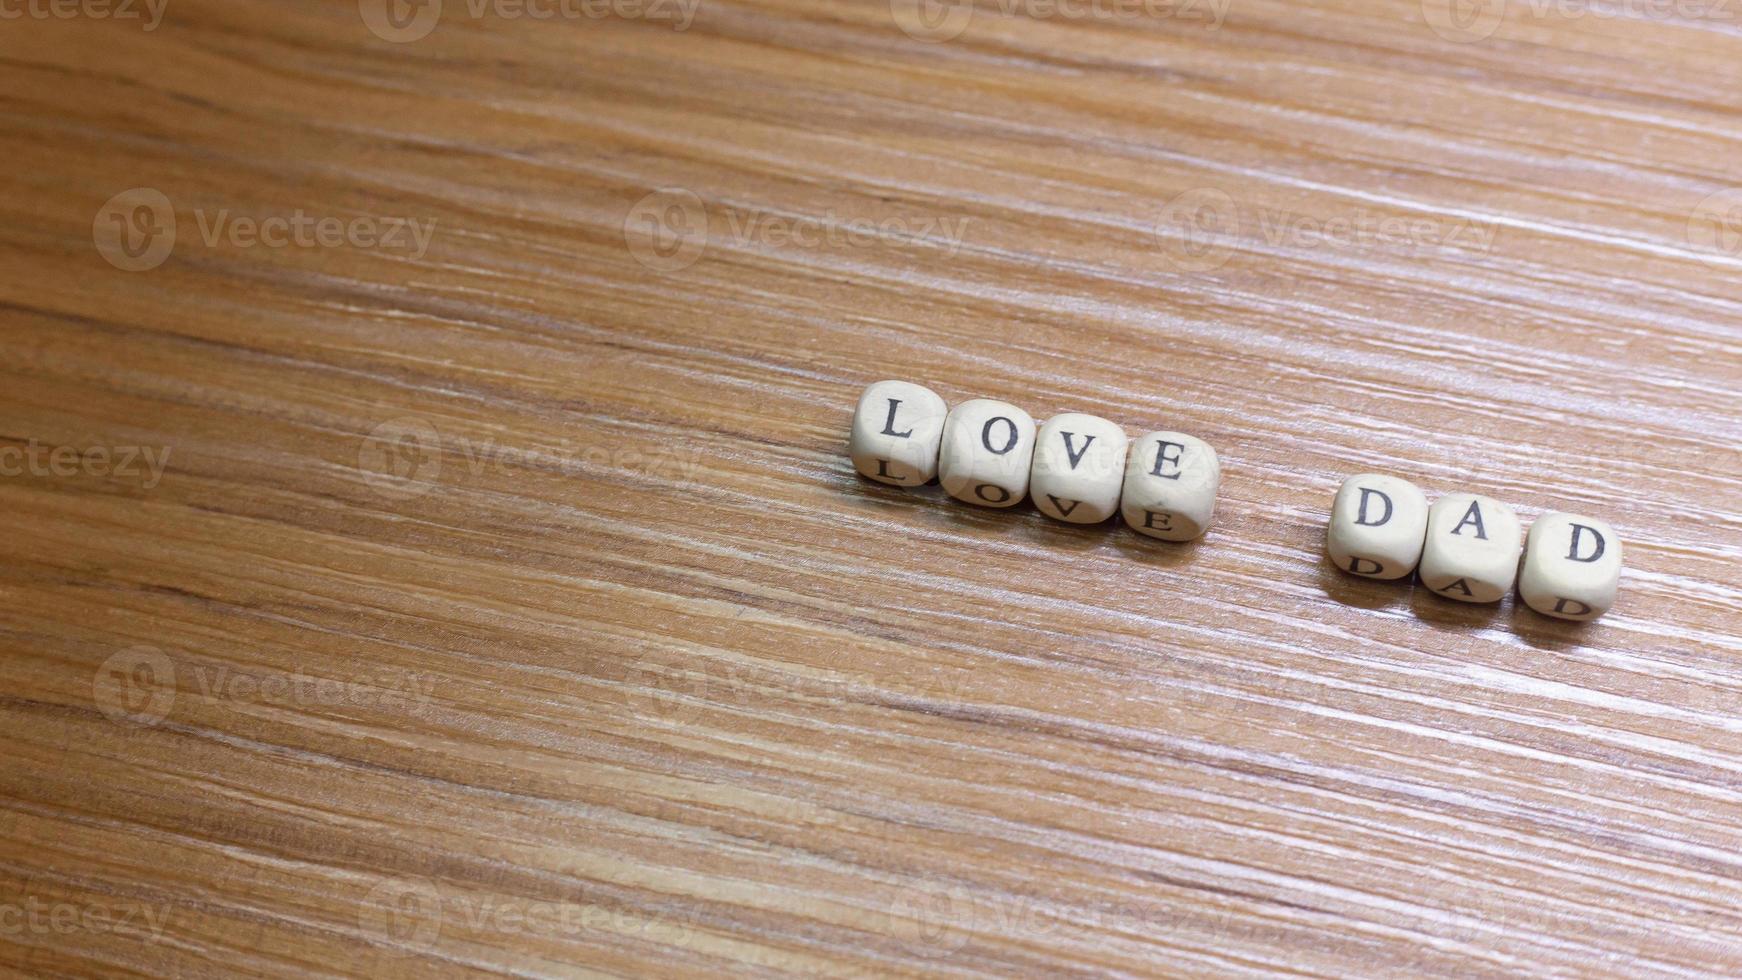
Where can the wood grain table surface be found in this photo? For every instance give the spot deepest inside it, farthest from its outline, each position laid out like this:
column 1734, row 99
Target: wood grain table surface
column 428, row 548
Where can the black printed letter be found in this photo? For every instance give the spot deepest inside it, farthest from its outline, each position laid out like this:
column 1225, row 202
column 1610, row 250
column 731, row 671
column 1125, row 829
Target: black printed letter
column 1161, row 457
column 1003, row 494
column 1573, row 552
column 1066, row 511
column 1461, row 585
column 889, row 424
column 1075, row 456
column 1361, row 511
column 1473, row 516
column 986, row 435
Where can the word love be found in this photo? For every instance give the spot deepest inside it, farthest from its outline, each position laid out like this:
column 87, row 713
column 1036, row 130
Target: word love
column 1467, row 547
column 1080, row 469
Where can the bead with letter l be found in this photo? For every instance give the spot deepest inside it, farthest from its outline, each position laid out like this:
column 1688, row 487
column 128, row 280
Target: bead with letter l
column 897, row 429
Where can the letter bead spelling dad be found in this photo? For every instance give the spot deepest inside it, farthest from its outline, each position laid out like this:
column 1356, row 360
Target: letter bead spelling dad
column 1466, row 547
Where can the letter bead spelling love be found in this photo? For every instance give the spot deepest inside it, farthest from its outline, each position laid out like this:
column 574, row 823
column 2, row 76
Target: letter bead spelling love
column 1079, row 469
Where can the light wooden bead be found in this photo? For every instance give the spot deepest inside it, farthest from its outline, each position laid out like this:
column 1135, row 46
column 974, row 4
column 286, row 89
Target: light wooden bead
column 1170, row 488
column 1572, row 567
column 988, row 447
column 1377, row 526
column 1079, row 466
column 897, row 430
column 1472, row 547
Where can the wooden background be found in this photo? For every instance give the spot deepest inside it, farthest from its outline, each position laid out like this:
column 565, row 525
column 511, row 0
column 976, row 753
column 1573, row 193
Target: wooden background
column 507, row 603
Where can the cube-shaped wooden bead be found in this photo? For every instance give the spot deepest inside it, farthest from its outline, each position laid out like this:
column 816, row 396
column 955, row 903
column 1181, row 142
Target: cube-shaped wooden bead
column 987, row 451
column 1170, row 488
column 1572, row 567
column 897, row 430
column 1377, row 526
column 1079, row 466
column 1472, row 547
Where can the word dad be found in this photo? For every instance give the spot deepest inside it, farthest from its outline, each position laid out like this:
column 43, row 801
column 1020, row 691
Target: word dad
column 1467, row 547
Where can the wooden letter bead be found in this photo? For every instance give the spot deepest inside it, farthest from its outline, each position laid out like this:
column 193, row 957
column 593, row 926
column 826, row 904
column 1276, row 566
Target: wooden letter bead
column 988, row 447
column 1377, row 526
column 1079, row 465
column 897, row 429
column 1472, row 546
column 1170, row 486
column 1572, row 567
